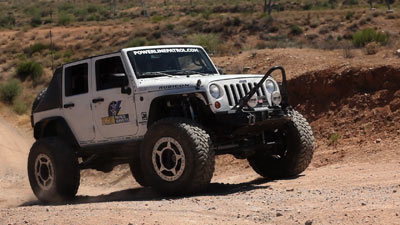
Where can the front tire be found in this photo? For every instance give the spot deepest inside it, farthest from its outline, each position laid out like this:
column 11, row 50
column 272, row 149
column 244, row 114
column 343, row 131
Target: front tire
column 177, row 157
column 53, row 170
column 295, row 154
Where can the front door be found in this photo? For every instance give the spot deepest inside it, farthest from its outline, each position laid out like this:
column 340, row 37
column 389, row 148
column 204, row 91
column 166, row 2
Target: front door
column 114, row 112
column 77, row 100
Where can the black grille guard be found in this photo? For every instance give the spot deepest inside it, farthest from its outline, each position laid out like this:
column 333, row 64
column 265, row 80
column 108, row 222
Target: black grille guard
column 283, row 89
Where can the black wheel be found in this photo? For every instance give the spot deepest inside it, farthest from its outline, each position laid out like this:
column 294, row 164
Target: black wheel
column 38, row 98
column 176, row 157
column 294, row 155
column 136, row 170
column 53, row 170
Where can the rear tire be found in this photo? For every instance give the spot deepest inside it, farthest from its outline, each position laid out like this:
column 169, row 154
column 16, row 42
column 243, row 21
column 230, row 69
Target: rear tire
column 177, row 157
column 137, row 173
column 53, row 170
column 295, row 156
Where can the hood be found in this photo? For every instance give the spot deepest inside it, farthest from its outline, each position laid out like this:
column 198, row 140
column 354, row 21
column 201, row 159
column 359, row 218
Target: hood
column 185, row 82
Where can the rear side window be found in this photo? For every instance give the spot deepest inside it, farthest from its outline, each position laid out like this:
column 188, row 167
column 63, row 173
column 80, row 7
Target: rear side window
column 105, row 68
column 76, row 80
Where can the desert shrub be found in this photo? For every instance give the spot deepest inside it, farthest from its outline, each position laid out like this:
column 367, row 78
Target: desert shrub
column 67, row 7
column 236, row 21
column 156, row 19
column 209, row 42
column 36, row 21
column 350, row 2
column 64, row 19
column 372, row 48
column 206, row 14
column 170, row 26
column 307, row 6
column 349, row 15
column 10, row 90
column 20, row 107
column 295, row 30
column 152, row 43
column 7, row 21
column 334, row 139
column 136, row 42
column 30, row 69
column 37, row 47
column 363, row 37
column 67, row 54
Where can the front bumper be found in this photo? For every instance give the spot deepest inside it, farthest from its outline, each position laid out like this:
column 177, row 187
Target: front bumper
column 244, row 122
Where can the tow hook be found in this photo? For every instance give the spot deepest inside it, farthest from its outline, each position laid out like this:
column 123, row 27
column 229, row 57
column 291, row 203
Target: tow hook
column 252, row 119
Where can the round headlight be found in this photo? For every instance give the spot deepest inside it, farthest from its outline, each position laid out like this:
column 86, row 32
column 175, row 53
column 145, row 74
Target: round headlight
column 215, row 91
column 270, row 86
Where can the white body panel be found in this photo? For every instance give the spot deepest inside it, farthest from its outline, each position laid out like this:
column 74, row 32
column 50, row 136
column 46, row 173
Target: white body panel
column 123, row 129
column 88, row 120
column 79, row 117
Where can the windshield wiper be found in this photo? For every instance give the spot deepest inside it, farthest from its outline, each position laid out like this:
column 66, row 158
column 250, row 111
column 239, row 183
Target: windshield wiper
column 153, row 74
column 190, row 72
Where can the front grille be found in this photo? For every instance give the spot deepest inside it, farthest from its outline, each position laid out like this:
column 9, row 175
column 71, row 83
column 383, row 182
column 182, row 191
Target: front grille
column 234, row 92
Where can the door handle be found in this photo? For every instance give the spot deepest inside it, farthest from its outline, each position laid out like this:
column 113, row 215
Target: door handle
column 96, row 100
column 70, row 105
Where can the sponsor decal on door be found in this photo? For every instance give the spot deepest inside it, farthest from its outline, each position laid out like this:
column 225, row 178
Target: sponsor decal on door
column 114, row 116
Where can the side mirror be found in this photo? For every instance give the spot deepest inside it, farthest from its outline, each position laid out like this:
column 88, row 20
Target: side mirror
column 220, row 70
column 118, row 79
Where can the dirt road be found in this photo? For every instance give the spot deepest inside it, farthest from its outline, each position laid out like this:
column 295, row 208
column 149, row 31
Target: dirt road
column 341, row 193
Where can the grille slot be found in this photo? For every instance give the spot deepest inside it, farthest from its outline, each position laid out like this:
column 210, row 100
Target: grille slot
column 234, row 92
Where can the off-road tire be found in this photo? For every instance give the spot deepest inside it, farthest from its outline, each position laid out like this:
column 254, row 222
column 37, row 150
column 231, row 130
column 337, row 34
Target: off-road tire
column 64, row 164
column 136, row 170
column 198, row 155
column 300, row 149
column 38, row 98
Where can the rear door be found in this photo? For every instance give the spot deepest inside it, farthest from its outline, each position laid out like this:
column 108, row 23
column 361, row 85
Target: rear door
column 114, row 112
column 77, row 100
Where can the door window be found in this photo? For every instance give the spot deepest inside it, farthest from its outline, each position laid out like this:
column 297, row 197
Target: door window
column 76, row 80
column 110, row 73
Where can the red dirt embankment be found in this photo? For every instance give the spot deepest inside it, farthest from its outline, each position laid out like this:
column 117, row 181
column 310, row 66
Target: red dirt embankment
column 351, row 106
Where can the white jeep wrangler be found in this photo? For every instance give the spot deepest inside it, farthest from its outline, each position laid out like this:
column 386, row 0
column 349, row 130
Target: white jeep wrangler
column 167, row 111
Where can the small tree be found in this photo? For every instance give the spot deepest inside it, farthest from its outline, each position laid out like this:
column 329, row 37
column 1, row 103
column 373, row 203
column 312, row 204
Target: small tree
column 332, row 3
column 268, row 6
column 388, row 3
column 371, row 4
column 144, row 11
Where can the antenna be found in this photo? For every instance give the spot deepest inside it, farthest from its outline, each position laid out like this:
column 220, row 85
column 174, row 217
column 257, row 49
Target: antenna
column 51, row 41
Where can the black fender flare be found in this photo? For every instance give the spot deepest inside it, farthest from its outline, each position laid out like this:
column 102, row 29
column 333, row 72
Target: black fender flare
column 60, row 126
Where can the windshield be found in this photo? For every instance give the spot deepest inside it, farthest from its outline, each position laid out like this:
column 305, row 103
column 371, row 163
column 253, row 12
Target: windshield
column 170, row 61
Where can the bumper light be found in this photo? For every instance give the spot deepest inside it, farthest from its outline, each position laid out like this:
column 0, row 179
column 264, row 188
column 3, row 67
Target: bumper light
column 276, row 98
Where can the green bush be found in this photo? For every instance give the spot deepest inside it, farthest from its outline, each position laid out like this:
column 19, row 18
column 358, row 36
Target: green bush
column 363, row 37
column 156, row 19
column 295, row 30
column 334, row 139
column 37, row 47
column 20, row 107
column 64, row 19
column 30, row 69
column 7, row 21
column 36, row 21
column 136, row 42
column 10, row 90
column 209, row 42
